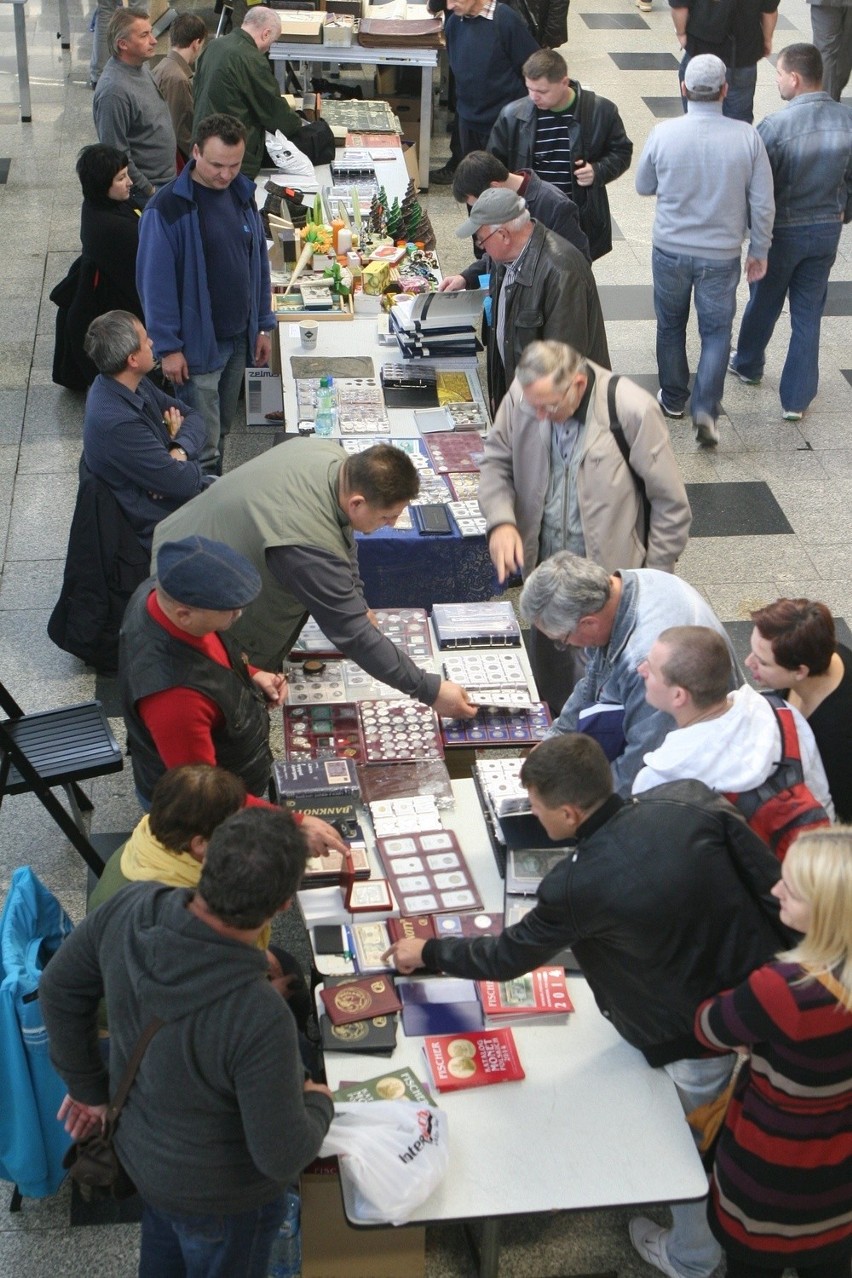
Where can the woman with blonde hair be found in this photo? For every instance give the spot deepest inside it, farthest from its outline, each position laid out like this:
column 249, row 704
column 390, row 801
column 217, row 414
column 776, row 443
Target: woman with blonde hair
column 781, row 1193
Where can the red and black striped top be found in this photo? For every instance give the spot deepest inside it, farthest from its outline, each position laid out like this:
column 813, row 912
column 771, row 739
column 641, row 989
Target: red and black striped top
column 782, row 1182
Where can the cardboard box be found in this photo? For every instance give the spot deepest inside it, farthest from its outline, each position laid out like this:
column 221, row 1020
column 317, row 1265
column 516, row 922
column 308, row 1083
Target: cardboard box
column 407, row 111
column 332, row 1249
column 412, row 161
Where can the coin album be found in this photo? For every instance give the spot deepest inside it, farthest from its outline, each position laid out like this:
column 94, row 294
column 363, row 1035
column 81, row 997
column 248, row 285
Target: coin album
column 428, row 873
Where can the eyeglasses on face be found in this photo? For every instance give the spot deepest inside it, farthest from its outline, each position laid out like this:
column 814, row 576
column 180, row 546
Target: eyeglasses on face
column 481, row 241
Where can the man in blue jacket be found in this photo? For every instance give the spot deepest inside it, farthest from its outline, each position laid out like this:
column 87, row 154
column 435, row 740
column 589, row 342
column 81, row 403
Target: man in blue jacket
column 207, row 324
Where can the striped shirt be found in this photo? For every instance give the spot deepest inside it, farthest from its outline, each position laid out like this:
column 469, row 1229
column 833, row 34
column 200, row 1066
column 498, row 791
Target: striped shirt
column 552, row 158
column 782, row 1183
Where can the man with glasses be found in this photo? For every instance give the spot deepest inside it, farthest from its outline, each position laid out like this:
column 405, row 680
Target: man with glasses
column 617, row 616
column 541, row 287
column 554, row 477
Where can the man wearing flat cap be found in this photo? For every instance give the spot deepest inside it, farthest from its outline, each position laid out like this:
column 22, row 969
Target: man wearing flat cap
column 293, row 512
column 713, row 184
column 189, row 695
column 541, row 287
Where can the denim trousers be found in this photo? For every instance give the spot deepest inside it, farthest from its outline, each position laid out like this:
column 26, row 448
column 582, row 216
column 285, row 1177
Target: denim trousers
column 800, row 261
column 677, row 277
column 690, row 1246
column 209, row 1246
column 215, row 395
column 739, row 100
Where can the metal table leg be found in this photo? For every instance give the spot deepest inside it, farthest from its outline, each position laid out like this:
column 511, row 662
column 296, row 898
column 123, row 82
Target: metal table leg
column 23, row 62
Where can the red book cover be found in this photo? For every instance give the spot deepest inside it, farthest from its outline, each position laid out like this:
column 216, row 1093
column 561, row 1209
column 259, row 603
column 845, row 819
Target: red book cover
column 542, row 992
column 360, row 1000
column 419, row 927
column 475, row 1059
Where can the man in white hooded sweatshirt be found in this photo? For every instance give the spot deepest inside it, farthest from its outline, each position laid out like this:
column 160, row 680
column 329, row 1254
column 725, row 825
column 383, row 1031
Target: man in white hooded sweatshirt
column 729, row 740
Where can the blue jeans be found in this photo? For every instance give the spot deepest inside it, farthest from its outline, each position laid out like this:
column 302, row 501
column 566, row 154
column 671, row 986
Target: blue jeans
column 739, row 100
column 216, row 395
column 800, row 261
column 689, row 1244
column 210, row 1246
column 714, row 283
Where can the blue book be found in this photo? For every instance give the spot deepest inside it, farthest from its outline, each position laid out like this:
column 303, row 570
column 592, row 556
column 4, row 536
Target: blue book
column 444, row 1005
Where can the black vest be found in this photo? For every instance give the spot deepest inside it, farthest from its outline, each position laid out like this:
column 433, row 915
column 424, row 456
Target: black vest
column 151, row 660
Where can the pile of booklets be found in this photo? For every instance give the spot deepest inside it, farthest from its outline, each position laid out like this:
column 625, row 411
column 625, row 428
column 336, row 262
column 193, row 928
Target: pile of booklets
column 438, row 325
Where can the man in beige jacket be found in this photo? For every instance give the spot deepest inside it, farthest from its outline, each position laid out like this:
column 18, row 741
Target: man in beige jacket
column 565, row 468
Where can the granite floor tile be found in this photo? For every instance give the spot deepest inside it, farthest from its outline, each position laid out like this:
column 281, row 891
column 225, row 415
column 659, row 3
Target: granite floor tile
column 668, row 108
column 41, row 517
column 726, row 559
column 735, row 510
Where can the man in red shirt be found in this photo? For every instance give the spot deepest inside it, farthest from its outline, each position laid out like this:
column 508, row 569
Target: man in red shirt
column 189, row 693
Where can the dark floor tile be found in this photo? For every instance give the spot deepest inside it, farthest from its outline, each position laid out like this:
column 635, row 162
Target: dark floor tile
column 664, row 108
column 645, row 62
column 617, row 233
column 847, row 373
column 839, row 298
column 614, row 22
column 735, row 510
column 627, row 301
column 4, row 166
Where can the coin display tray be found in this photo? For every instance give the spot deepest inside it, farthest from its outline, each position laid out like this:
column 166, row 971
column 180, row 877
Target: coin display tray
column 399, row 730
column 466, row 416
column 322, row 732
column 469, row 519
column 494, row 726
column 451, row 452
column 465, row 485
column 361, row 686
column 407, row 627
column 500, row 782
column 428, row 873
column 309, row 690
column 490, row 669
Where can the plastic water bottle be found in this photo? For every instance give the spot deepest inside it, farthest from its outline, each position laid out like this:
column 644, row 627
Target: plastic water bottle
column 285, row 1260
column 326, row 414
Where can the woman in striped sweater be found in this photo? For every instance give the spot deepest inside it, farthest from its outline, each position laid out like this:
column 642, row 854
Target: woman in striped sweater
column 782, row 1184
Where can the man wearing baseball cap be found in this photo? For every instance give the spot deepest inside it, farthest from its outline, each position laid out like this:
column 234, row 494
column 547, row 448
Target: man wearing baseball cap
column 189, row 694
column 541, row 287
column 713, row 184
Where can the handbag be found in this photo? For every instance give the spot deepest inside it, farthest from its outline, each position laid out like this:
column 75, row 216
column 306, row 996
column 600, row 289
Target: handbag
column 93, row 1163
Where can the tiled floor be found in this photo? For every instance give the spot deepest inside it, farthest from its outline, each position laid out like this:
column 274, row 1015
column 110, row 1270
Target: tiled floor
column 772, row 504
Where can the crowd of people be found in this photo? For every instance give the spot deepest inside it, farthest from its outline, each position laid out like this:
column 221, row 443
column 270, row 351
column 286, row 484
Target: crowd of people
column 708, row 896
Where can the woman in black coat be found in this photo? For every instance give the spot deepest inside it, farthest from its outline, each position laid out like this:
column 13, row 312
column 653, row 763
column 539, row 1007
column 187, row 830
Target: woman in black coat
column 104, row 277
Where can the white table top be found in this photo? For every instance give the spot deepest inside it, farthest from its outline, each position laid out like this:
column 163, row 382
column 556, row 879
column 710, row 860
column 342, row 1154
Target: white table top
column 592, row 1125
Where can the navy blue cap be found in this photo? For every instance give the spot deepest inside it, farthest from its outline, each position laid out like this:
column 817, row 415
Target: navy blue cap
column 201, row 573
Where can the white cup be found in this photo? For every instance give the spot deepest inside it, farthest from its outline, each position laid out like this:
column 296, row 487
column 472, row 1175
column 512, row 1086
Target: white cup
column 308, row 334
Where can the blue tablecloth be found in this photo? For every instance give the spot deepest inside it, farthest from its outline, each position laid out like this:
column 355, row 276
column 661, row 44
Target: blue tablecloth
column 402, row 569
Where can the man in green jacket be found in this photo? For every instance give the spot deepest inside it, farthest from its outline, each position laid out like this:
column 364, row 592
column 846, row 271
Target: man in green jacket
column 234, row 77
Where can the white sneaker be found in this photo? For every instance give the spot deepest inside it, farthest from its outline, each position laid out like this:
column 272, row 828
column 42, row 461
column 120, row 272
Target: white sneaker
column 649, row 1241
column 706, row 430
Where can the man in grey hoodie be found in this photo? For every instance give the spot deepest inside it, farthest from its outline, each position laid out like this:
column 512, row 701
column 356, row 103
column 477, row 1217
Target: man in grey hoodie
column 220, row 1118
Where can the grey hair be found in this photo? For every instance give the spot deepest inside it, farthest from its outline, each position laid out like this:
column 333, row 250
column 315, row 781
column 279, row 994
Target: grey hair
column 259, row 17
column 120, row 23
column 549, row 359
column 110, row 341
column 517, row 223
column 562, row 590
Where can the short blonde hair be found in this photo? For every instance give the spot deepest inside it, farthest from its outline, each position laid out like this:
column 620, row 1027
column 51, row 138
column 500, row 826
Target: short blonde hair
column 819, row 865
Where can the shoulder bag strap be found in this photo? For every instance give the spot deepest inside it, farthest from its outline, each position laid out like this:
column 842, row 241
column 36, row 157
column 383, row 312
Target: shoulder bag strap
column 620, row 439
column 132, row 1066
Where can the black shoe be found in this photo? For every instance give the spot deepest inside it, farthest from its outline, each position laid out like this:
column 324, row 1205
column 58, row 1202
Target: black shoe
column 442, row 177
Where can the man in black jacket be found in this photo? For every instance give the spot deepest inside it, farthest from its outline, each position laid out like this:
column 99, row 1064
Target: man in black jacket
column 569, row 136
column 665, row 901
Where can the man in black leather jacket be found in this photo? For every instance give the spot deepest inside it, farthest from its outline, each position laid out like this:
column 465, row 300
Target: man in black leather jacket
column 665, row 901
column 593, row 150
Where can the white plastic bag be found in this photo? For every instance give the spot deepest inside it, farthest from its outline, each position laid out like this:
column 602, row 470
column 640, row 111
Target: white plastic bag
column 394, row 1153
column 285, row 155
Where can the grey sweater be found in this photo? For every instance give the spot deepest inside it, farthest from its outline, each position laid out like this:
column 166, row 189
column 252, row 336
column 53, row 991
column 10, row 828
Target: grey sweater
column 130, row 114
column 712, row 179
column 217, row 1119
